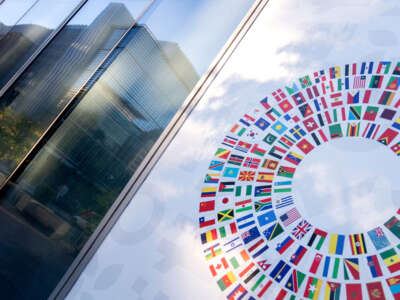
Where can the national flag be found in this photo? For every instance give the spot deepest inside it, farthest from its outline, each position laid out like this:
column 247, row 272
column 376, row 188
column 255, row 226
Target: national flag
column 251, row 162
column 388, row 114
column 245, row 221
column 353, row 129
column 269, row 164
column 376, row 82
column 263, row 204
column 396, row 148
column 370, row 113
column 226, row 186
column 391, row 260
column 212, row 251
column 250, row 235
column 294, row 158
column 284, row 171
column 262, row 124
column 238, row 129
column 301, row 229
column 286, row 141
column 256, row 250
column 386, row 98
column 206, row 206
column 353, row 97
column 247, row 119
column 384, row 67
column 321, row 135
column 336, row 244
column 209, row 236
column 265, row 177
column 266, row 218
column 375, row 291
column 225, row 215
column 264, row 103
column 336, row 99
column 219, row 266
column 297, row 132
column 371, row 130
column 285, row 106
column 310, row 124
column 243, row 146
column 277, row 152
column 279, row 95
column 305, row 146
column 332, row 291
column 257, row 150
column 264, row 265
column 216, row 165
column 278, row 127
column 335, row 270
column 226, row 281
column 243, row 205
column 246, row 175
column 354, row 113
column 394, row 83
column 319, row 76
column 235, row 159
column 305, row 81
column 290, row 216
column 298, row 98
column 387, row 136
column 284, row 245
column 313, row 288
column 378, row 238
column 334, row 72
column 396, row 124
column 249, row 272
column 273, row 231
column 283, row 186
column 295, row 280
column 394, row 286
column 212, row 178
column 231, row 172
column 269, row 138
column 263, row 190
column 335, row 131
column 357, row 244
column 222, row 153
column 305, row 110
column 229, row 141
column 209, row 192
column 279, row 271
column 359, row 82
column 237, row 293
column 374, row 266
column 354, row 291
column 283, row 202
column 223, row 229
column 232, row 244
column 367, row 68
column 393, row 224
column 298, row 255
column 350, row 265
column 396, row 70
column 325, row 271
column 203, row 222
column 316, row 262
column 273, row 114
column 320, row 235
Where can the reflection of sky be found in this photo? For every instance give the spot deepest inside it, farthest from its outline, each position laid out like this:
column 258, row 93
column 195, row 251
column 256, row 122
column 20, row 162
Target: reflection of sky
column 155, row 241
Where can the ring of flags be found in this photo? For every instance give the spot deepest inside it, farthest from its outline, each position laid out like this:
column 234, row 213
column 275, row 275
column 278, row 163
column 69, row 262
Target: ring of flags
column 255, row 241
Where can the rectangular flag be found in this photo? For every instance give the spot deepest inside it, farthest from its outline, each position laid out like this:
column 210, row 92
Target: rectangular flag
column 313, row 288
column 336, row 244
column 295, row 280
column 283, row 202
column 319, row 235
column 375, row 291
column 290, row 216
column 273, row 231
column 357, row 244
column 374, row 266
column 284, row 245
column 391, row 260
column 394, row 286
column 316, row 262
column 378, row 238
column 393, row 224
column 354, row 291
column 226, row 281
column 286, row 171
column 351, row 266
column 332, row 291
column 280, row 270
column 294, row 158
column 298, row 255
column 216, row 165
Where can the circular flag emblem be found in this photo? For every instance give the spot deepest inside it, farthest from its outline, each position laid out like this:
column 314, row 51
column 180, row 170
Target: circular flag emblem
column 255, row 240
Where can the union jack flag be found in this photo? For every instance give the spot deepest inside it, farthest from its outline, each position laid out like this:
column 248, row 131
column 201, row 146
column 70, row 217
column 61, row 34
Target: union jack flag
column 301, row 229
column 252, row 162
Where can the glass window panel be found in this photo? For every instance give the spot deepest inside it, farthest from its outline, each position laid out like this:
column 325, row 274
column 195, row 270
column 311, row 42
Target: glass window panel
column 21, row 35
column 42, row 91
column 71, row 183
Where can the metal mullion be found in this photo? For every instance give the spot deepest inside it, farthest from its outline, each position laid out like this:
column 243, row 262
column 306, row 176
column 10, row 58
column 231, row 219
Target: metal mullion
column 74, row 100
column 154, row 154
column 43, row 45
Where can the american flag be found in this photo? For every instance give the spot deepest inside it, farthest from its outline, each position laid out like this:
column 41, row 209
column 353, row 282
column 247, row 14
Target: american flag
column 291, row 216
column 359, row 82
column 301, row 229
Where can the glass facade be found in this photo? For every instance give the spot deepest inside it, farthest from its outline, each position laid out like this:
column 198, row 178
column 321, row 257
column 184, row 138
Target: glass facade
column 79, row 120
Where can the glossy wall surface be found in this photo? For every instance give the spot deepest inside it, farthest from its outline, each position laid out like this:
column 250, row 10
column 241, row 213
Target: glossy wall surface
column 91, row 106
column 155, row 250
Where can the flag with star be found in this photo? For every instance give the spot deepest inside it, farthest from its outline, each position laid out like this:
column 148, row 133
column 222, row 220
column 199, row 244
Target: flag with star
column 295, row 280
column 313, row 288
